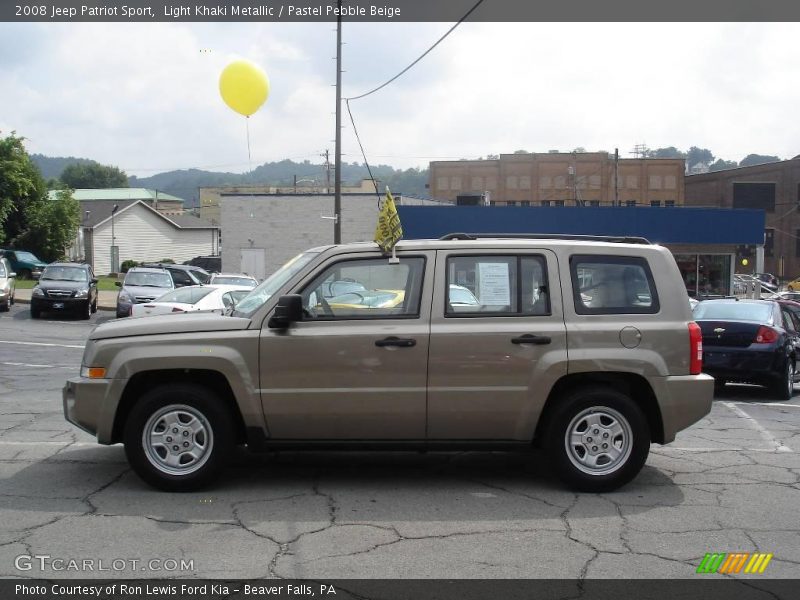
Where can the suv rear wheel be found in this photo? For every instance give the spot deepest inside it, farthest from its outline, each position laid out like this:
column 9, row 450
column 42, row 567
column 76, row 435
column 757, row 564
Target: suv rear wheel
column 598, row 439
column 178, row 437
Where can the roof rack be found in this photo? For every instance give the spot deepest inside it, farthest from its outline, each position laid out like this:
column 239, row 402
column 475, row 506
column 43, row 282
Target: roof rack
column 618, row 239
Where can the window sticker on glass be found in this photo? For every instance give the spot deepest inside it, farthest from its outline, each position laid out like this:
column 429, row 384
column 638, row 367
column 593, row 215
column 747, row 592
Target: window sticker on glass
column 495, row 289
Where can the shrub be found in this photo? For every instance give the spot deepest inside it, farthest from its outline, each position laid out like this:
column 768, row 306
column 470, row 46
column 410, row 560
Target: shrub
column 127, row 264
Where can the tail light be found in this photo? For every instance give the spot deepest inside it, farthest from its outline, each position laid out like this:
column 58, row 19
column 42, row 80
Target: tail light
column 765, row 335
column 695, row 349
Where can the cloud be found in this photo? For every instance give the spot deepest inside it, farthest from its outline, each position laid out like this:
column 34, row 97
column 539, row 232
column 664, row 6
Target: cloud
column 144, row 96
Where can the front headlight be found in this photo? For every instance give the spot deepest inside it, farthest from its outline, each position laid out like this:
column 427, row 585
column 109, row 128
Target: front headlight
column 37, row 291
column 82, row 294
column 124, row 297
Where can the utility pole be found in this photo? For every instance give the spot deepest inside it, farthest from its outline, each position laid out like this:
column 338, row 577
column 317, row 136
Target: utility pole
column 326, row 155
column 337, row 196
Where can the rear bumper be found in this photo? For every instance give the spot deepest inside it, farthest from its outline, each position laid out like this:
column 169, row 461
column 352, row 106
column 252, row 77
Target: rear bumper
column 684, row 400
column 740, row 364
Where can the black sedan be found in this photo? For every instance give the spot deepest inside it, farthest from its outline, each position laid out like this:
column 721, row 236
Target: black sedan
column 751, row 341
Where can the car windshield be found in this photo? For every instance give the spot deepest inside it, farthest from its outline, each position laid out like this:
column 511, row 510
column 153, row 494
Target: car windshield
column 202, row 276
column 733, row 311
column 65, row 274
column 272, row 284
column 26, row 256
column 186, row 295
column 225, row 280
column 148, row 279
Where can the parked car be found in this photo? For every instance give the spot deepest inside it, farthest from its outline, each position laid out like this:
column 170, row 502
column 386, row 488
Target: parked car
column 212, row 264
column 532, row 363
column 461, row 296
column 182, row 274
column 751, row 281
column 767, row 278
column 25, row 264
column 8, row 284
column 751, row 341
column 795, row 296
column 793, row 285
column 194, row 298
column 233, row 279
column 65, row 287
column 140, row 286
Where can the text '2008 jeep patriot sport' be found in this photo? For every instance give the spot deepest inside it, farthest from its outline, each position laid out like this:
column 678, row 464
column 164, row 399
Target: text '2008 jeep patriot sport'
column 585, row 347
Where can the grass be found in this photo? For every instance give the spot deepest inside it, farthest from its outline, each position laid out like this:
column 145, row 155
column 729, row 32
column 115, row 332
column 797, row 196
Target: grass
column 104, row 284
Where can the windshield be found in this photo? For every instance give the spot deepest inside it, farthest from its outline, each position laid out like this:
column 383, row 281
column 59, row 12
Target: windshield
column 272, row 284
column 148, row 279
column 733, row 311
column 65, row 274
column 186, row 295
column 225, row 280
column 26, row 257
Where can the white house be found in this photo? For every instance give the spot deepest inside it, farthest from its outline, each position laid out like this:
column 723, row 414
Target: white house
column 141, row 234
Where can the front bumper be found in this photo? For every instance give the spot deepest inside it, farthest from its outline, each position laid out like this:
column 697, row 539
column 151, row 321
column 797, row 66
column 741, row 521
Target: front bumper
column 684, row 400
column 46, row 304
column 84, row 406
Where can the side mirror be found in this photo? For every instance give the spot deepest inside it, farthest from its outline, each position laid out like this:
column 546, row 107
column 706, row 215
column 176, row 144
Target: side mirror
column 12, row 275
column 94, row 281
column 288, row 310
column 118, row 283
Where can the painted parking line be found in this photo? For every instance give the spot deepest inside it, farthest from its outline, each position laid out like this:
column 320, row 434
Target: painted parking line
column 41, row 344
column 19, row 364
column 778, row 404
column 680, row 449
column 768, row 437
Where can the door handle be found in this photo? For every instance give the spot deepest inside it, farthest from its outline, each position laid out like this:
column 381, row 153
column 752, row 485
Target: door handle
column 530, row 338
column 396, row 341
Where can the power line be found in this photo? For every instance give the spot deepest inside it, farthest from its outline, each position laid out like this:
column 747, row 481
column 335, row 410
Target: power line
column 423, row 55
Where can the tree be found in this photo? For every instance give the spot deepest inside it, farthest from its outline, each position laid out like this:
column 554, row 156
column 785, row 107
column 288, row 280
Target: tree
column 21, row 185
column 52, row 225
column 669, row 152
column 93, row 176
column 721, row 165
column 757, row 159
column 30, row 218
column 697, row 156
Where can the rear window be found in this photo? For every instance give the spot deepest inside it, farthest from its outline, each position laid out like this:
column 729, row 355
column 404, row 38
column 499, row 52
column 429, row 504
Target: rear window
column 613, row 285
column 734, row 311
column 186, row 295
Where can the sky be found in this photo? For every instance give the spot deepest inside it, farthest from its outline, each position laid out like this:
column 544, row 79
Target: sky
column 144, row 96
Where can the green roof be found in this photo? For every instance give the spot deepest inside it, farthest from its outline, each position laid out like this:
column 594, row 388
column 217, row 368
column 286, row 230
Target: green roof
column 120, row 194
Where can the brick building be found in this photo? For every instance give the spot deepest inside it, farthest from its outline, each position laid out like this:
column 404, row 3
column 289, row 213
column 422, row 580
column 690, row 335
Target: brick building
column 561, row 179
column 773, row 188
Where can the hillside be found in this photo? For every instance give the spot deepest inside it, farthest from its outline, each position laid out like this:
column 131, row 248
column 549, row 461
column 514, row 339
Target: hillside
column 185, row 183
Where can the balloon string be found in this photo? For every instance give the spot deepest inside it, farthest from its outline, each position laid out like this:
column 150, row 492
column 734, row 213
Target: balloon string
column 249, row 161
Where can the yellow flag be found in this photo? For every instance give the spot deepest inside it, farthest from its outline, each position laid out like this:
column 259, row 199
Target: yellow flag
column 389, row 229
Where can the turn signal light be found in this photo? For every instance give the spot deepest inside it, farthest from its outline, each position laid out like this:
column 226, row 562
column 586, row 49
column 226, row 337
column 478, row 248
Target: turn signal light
column 93, row 372
column 766, row 335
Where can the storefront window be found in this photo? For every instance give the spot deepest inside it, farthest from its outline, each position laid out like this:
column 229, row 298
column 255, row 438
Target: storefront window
column 705, row 274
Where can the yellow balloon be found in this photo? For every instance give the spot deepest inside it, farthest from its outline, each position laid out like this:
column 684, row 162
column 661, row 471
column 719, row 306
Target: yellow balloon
column 244, row 87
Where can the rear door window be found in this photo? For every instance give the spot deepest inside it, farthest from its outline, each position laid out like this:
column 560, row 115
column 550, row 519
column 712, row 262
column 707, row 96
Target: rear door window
column 612, row 285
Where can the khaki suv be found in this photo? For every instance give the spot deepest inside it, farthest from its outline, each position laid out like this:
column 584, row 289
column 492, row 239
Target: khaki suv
column 583, row 347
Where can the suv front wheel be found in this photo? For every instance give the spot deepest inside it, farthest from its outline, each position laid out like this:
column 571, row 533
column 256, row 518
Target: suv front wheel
column 598, row 439
column 178, row 437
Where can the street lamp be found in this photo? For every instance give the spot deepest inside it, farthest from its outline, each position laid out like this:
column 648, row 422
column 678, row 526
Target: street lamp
column 114, row 249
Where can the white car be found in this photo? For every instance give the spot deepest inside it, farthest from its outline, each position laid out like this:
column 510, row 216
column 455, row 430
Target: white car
column 240, row 279
column 193, row 298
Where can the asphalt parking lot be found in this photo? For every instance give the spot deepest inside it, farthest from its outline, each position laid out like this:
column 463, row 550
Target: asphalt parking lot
column 730, row 483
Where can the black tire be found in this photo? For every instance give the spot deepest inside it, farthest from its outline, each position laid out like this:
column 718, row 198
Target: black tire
column 35, row 313
column 86, row 311
column 6, row 307
column 606, row 406
column 94, row 306
column 214, row 446
column 783, row 388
